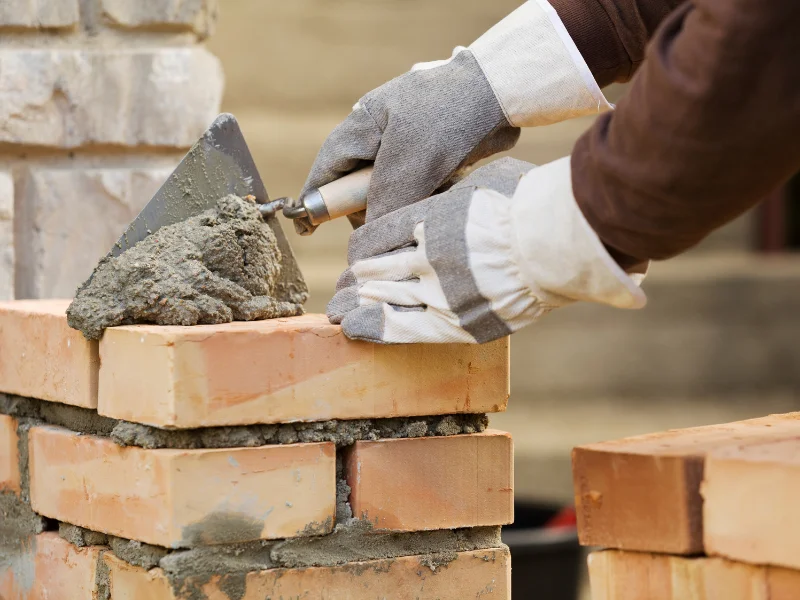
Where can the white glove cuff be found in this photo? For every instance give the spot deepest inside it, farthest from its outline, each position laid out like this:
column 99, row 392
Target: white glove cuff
column 559, row 253
column 535, row 69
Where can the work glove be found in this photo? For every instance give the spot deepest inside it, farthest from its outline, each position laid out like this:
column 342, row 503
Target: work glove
column 500, row 249
column 423, row 127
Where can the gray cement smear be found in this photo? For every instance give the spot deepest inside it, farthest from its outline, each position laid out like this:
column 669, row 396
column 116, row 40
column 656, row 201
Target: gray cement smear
column 220, row 266
column 342, row 433
column 19, row 526
column 221, row 528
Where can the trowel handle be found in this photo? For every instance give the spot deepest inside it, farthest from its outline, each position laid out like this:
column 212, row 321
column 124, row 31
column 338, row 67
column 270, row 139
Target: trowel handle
column 339, row 198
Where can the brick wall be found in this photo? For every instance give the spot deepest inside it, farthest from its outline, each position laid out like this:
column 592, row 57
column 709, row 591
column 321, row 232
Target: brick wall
column 271, row 459
column 99, row 99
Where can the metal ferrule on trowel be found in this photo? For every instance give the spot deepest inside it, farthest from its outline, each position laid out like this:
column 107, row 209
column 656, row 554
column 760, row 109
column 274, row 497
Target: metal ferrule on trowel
column 340, row 198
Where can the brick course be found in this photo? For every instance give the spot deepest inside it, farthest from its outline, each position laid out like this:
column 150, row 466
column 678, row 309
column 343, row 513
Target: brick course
column 9, row 456
column 182, row 498
column 46, row 566
column 643, row 493
column 619, row 575
column 421, row 484
column 750, row 510
column 42, row 357
column 481, row 574
column 298, row 369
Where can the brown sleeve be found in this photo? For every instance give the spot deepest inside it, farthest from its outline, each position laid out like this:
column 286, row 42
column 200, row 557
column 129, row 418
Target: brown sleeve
column 709, row 126
column 611, row 35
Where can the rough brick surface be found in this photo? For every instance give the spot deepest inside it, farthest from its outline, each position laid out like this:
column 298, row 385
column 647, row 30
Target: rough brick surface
column 39, row 14
column 433, row 483
column 45, row 567
column 9, row 455
column 42, row 357
column 294, row 369
column 194, row 15
column 643, row 493
column 6, row 236
column 619, row 575
column 181, row 498
column 70, row 98
column 58, row 250
column 477, row 575
column 751, row 495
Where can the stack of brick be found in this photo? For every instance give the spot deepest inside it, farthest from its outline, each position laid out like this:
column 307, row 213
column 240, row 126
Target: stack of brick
column 99, row 100
column 274, row 459
column 707, row 513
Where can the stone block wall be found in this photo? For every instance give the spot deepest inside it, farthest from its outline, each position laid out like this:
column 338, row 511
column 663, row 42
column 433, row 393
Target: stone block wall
column 99, row 100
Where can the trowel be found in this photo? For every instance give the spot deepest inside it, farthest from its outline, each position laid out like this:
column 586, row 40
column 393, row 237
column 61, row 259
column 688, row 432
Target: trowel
column 217, row 165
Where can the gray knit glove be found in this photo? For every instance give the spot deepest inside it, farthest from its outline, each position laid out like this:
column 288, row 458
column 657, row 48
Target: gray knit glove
column 419, row 130
column 493, row 254
column 423, row 127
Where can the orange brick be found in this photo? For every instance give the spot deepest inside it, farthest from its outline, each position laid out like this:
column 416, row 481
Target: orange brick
column 617, row 575
column 751, row 497
column 298, row 369
column 42, row 357
column 176, row 498
column 481, row 574
column 9, row 456
column 643, row 493
column 45, row 567
column 420, row 484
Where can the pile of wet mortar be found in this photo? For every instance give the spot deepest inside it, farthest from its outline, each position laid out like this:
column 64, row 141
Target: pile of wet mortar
column 219, row 266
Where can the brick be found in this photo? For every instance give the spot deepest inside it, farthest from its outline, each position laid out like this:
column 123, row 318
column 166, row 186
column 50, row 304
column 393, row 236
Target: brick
column 480, row 574
column 6, row 236
column 193, row 15
column 38, row 14
column 46, row 566
column 281, row 370
column 619, row 575
column 9, row 456
column 421, row 484
column 181, row 498
column 42, row 357
column 750, row 509
column 643, row 493
column 73, row 97
column 58, row 251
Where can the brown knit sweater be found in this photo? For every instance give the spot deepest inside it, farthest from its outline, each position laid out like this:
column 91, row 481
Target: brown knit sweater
column 708, row 128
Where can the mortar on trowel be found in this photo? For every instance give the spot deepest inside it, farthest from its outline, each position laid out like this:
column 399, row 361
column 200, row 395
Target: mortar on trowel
column 201, row 218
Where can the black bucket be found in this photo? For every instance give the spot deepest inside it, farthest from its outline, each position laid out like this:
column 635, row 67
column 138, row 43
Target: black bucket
column 546, row 558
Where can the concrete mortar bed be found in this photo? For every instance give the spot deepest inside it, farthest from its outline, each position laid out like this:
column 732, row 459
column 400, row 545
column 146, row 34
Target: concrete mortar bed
column 352, row 541
column 341, row 432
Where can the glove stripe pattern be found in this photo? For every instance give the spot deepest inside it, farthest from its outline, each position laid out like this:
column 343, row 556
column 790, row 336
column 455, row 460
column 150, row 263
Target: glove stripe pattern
column 448, row 254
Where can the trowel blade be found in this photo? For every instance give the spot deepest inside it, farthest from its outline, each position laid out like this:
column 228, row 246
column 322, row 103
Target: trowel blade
column 218, row 164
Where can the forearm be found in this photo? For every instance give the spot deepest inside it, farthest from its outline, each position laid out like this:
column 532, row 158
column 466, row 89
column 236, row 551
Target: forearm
column 708, row 128
column 612, row 35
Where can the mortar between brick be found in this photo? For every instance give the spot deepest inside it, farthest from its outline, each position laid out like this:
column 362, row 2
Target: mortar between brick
column 342, row 433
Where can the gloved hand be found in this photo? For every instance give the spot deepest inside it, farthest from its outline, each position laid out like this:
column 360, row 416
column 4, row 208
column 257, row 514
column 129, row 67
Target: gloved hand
column 478, row 262
column 422, row 127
